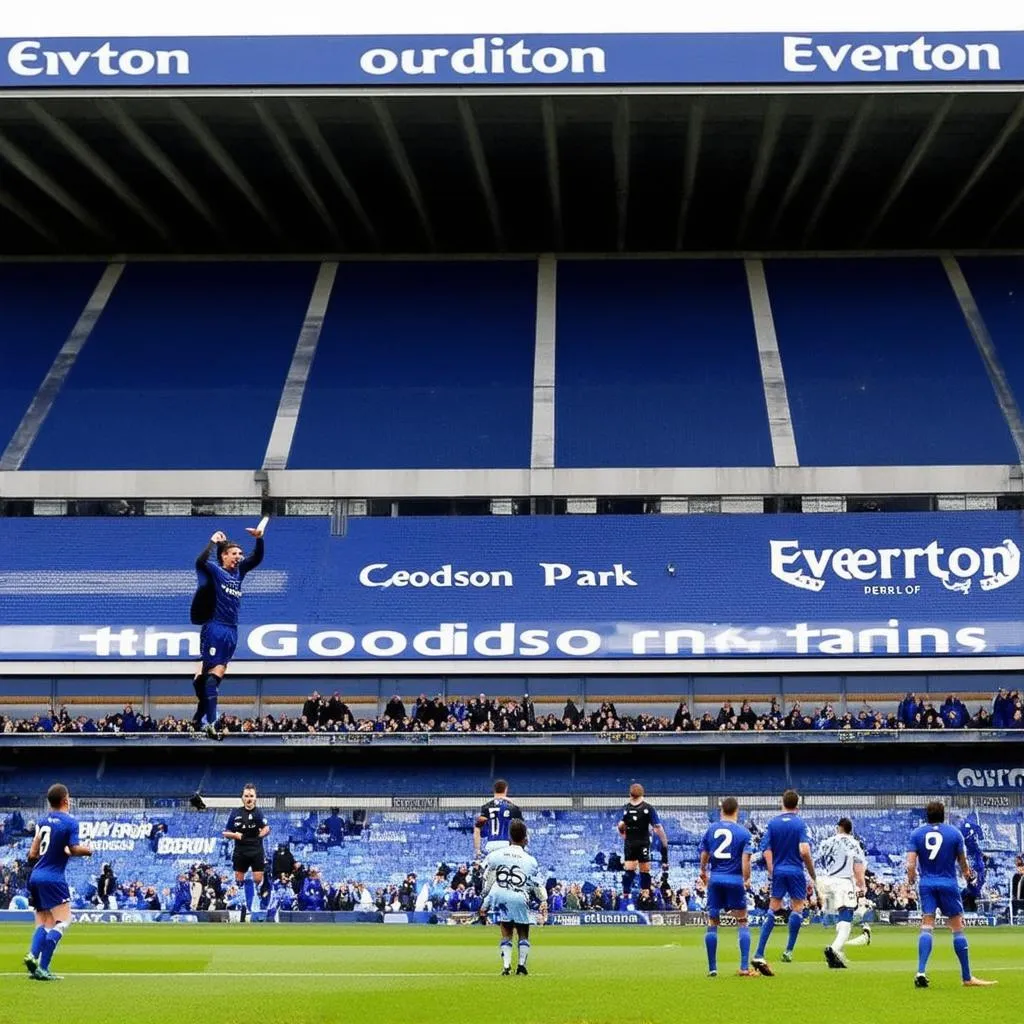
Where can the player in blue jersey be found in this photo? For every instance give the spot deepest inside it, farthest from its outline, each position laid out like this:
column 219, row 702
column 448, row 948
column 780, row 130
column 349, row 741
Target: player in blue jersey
column 933, row 852
column 787, row 852
column 215, row 608
column 511, row 877
column 492, row 824
column 725, row 875
column 56, row 841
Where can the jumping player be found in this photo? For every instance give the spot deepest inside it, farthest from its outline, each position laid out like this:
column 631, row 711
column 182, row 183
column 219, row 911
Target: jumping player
column 56, row 840
column 787, row 851
column 248, row 828
column 215, row 608
column 934, row 850
column 494, row 819
column 841, row 885
column 635, row 824
column 725, row 875
column 510, row 878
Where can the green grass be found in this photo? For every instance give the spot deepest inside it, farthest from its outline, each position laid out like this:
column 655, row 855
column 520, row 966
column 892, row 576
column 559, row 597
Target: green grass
column 379, row 974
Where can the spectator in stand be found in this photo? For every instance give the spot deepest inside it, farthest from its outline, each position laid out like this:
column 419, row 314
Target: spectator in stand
column 395, row 709
column 907, row 710
column 312, row 896
column 954, row 713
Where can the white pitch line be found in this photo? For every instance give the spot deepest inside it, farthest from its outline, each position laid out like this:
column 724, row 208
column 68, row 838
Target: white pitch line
column 264, row 974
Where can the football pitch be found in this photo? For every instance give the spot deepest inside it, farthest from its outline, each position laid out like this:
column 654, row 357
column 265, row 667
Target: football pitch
column 294, row 974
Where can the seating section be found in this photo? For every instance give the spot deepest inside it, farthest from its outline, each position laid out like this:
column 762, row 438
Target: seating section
column 430, row 365
column 39, row 306
column 880, row 365
column 422, row 366
column 184, row 369
column 567, row 844
column 657, row 366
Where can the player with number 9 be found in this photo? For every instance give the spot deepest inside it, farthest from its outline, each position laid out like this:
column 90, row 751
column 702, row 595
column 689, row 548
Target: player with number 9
column 725, row 874
column 934, row 851
column 56, row 840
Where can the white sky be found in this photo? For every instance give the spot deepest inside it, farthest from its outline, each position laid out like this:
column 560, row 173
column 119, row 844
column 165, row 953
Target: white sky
column 49, row 18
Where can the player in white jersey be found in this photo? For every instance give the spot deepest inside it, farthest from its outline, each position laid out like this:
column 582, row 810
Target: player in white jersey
column 840, row 876
column 510, row 879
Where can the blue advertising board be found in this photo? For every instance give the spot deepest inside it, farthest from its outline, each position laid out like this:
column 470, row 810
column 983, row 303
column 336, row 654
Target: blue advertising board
column 509, row 58
column 527, row 589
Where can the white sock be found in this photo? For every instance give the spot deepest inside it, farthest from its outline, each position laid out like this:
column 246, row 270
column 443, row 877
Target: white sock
column 842, row 934
column 524, row 951
column 861, row 940
column 506, row 953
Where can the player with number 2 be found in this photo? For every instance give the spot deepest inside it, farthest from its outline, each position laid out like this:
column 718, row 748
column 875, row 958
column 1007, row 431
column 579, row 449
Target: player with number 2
column 725, row 875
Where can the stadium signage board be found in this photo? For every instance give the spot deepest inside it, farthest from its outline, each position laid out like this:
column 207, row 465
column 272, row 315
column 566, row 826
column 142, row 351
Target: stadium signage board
column 515, row 59
column 990, row 778
column 540, row 590
column 116, row 43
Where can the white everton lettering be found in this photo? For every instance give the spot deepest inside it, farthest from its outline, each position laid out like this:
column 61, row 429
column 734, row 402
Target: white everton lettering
column 801, row 55
column 28, row 58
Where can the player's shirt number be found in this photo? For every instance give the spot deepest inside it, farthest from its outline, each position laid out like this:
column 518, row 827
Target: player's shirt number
column 509, row 877
column 722, row 850
column 44, row 839
column 495, row 815
column 933, row 843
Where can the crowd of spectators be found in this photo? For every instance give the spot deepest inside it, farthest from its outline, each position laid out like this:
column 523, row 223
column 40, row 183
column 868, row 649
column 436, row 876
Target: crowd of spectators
column 483, row 714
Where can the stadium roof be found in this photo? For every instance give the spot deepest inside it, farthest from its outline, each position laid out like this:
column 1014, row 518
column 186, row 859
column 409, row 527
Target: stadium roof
column 652, row 169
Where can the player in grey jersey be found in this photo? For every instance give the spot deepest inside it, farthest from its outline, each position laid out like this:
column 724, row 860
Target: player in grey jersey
column 840, row 877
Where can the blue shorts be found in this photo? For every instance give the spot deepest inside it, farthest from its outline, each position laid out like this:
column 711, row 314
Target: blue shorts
column 725, row 896
column 45, row 894
column 217, row 643
column 794, row 886
column 945, row 897
column 507, row 909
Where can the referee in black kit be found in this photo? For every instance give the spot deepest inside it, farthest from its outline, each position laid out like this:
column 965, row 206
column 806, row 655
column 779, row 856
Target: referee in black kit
column 247, row 826
column 635, row 825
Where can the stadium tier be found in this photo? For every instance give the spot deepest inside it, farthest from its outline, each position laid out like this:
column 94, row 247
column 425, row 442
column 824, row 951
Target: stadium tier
column 430, row 365
column 380, row 850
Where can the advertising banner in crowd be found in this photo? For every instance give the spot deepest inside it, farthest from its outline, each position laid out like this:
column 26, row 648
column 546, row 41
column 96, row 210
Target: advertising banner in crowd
column 529, row 590
column 116, row 44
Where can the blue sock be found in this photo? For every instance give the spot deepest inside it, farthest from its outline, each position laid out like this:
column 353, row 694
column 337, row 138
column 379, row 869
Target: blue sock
column 212, row 685
column 795, row 920
column 960, row 948
column 924, row 949
column 627, row 881
column 199, row 686
column 744, row 934
column 711, row 943
column 766, row 931
column 250, row 893
column 50, row 941
column 37, row 941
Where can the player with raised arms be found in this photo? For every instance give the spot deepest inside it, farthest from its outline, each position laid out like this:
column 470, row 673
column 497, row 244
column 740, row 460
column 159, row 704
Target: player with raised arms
column 787, row 851
column 510, row 878
column 934, row 850
column 248, row 828
column 841, row 885
column 634, row 825
column 494, row 820
column 56, row 841
column 215, row 608
column 725, row 875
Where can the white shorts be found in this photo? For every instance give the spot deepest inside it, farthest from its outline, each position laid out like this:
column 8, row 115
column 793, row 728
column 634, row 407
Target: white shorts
column 837, row 894
column 495, row 844
column 507, row 907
